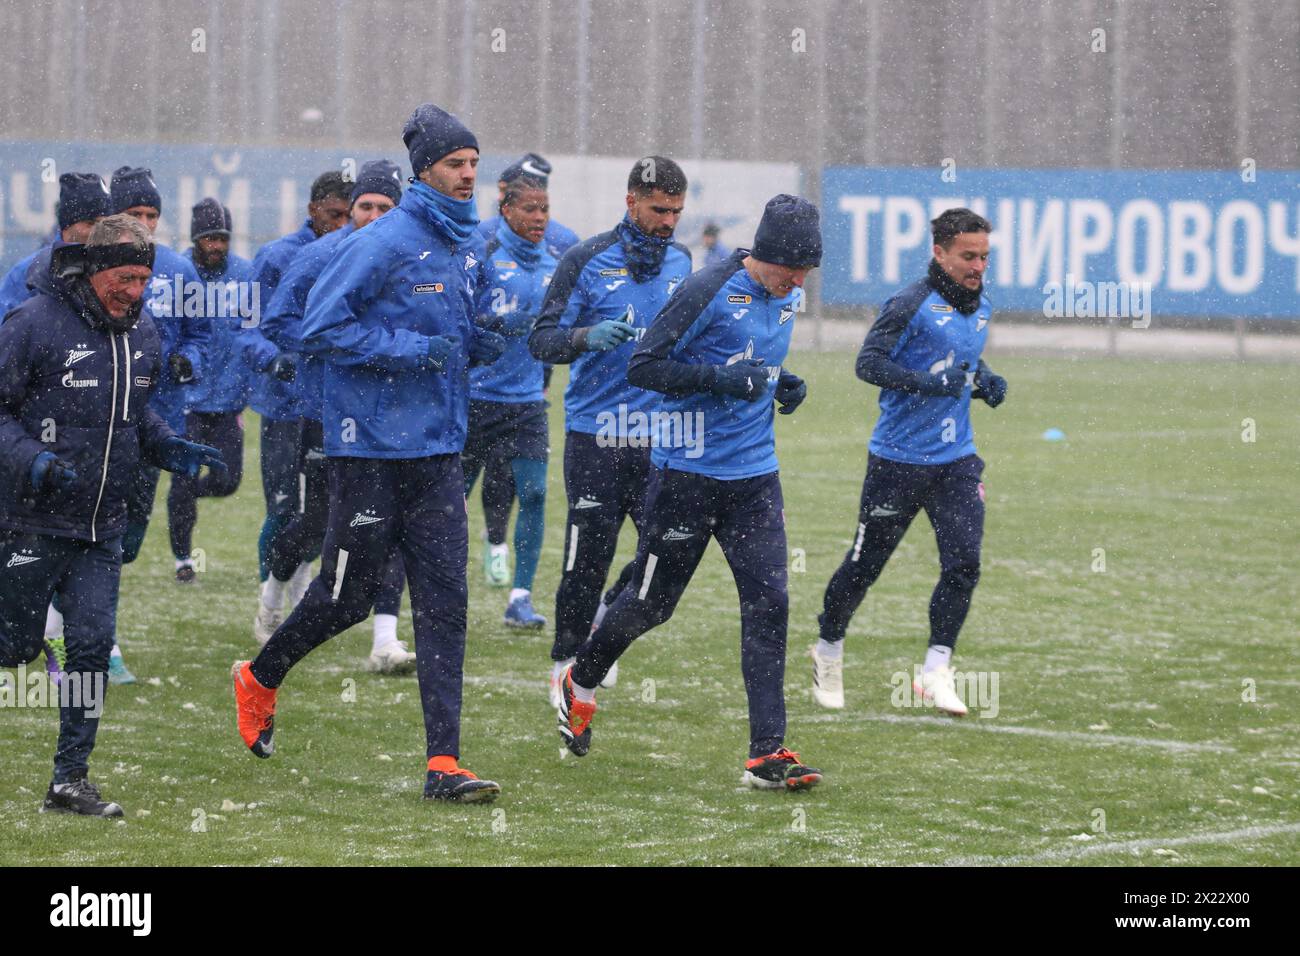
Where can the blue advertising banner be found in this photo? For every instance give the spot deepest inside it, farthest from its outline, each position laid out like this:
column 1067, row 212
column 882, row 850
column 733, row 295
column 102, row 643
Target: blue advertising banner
column 1076, row 243
column 266, row 188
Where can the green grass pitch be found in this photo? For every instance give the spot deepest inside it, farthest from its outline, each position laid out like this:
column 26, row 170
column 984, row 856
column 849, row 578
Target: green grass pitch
column 1146, row 713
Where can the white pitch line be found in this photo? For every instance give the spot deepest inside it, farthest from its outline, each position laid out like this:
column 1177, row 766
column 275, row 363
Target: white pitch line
column 975, row 723
column 1126, row 846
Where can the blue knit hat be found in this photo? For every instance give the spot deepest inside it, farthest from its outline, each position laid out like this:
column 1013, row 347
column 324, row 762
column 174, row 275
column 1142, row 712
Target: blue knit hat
column 431, row 133
column 209, row 218
column 82, row 197
column 789, row 234
column 531, row 165
column 379, row 176
column 134, row 187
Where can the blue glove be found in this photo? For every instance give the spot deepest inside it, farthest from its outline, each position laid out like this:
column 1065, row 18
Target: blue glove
column 948, row 383
column 441, row 348
column 284, row 367
column 187, row 457
column 486, row 347
column 51, row 474
column 745, row 379
column 607, row 335
column 791, row 390
column 990, row 387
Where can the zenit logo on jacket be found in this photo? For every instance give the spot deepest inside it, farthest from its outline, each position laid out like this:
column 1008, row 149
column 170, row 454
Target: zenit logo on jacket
column 386, row 290
column 595, row 281
column 512, row 282
column 719, row 316
column 923, row 331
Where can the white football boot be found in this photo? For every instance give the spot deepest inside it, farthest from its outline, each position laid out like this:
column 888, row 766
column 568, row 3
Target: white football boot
column 392, row 658
column 938, row 689
column 828, row 680
column 557, row 674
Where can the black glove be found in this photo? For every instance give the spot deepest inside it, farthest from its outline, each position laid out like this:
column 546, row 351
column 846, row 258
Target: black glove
column 791, row 390
column 440, row 349
column 186, row 457
column 50, row 474
column 990, row 387
column 181, row 368
column 949, row 382
column 486, row 347
column 745, row 379
column 284, row 367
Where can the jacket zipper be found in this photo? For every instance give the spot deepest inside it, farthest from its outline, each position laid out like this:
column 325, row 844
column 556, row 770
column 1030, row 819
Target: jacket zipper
column 108, row 444
column 126, row 384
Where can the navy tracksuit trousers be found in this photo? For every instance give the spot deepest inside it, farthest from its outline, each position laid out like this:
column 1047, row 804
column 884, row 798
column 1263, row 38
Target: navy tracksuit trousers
column 952, row 496
column 224, row 431
column 604, row 485
column 85, row 576
column 413, row 505
column 682, row 512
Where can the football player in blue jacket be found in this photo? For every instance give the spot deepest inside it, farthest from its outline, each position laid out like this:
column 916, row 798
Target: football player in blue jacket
column 392, row 315
column 214, row 413
column 507, row 415
column 924, row 352
column 716, row 352
column 605, row 292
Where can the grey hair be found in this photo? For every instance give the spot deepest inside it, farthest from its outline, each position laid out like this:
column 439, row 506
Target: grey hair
column 114, row 229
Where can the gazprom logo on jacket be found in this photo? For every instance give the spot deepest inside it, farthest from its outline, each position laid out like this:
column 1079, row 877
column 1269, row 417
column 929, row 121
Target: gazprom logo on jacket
column 427, row 287
column 69, row 381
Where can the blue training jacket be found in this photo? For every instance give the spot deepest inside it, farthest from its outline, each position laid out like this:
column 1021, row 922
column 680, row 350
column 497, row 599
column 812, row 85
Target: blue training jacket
column 14, row 290
column 386, row 290
column 593, row 283
column 283, row 318
column 271, row 397
column 719, row 316
column 227, row 382
column 512, row 282
column 559, row 239
column 176, row 303
column 921, row 331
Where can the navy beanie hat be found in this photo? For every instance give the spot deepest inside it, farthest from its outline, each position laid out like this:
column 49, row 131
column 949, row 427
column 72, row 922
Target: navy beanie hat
column 209, row 218
column 529, row 165
column 789, row 234
column 431, row 133
column 134, row 187
column 379, row 176
column 82, row 196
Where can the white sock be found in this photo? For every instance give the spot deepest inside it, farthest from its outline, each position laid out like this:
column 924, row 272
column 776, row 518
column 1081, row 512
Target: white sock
column 115, row 652
column 53, row 623
column 497, row 549
column 273, row 592
column 584, row 694
column 385, row 631
column 557, row 669
column 517, row 593
column 936, row 656
column 828, row 651
column 184, row 563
